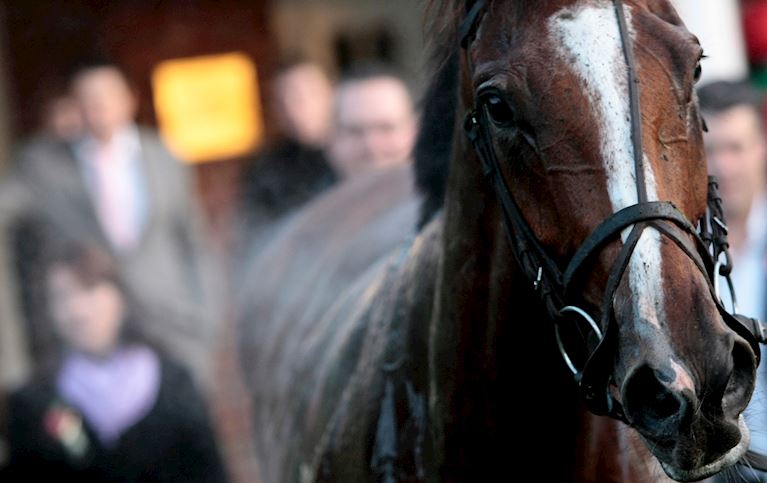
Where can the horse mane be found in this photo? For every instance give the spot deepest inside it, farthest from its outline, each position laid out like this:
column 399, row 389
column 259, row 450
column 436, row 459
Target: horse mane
column 443, row 18
column 433, row 148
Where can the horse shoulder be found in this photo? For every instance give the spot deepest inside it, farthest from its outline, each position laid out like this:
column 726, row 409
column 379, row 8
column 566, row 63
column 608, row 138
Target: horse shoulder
column 384, row 402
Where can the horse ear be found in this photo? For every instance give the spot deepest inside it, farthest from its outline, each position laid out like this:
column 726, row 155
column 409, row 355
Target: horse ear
column 666, row 11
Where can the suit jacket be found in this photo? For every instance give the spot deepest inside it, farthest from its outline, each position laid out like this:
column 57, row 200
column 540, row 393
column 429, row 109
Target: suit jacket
column 51, row 441
column 169, row 272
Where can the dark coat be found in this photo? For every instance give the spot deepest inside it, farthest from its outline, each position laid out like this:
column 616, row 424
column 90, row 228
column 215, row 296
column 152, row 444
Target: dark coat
column 174, row 442
column 282, row 179
column 277, row 183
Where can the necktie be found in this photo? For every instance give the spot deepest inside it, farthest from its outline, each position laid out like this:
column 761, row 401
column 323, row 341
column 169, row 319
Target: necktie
column 115, row 198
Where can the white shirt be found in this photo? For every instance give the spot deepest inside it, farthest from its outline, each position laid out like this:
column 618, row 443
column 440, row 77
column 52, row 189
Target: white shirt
column 749, row 276
column 126, row 176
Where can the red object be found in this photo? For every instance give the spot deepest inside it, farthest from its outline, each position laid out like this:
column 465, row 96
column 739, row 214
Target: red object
column 53, row 422
column 755, row 30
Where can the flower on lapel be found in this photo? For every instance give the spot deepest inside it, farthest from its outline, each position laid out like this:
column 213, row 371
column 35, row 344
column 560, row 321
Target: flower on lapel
column 66, row 426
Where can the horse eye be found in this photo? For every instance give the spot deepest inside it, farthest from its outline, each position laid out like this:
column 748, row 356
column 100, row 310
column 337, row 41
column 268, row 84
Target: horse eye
column 698, row 72
column 498, row 109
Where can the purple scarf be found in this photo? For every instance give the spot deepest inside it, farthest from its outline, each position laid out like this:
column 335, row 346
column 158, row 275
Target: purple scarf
column 112, row 393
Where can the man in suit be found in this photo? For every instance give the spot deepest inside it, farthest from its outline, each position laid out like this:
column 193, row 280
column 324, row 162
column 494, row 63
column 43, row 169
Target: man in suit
column 119, row 187
column 736, row 148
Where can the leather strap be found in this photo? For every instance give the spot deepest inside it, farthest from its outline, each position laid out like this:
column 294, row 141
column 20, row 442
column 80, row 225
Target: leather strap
column 611, row 227
column 634, row 99
column 470, row 23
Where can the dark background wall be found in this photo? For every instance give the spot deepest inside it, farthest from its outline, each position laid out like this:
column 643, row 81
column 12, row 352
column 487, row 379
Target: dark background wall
column 46, row 37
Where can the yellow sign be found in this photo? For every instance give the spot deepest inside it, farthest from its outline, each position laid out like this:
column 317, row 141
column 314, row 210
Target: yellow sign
column 208, row 108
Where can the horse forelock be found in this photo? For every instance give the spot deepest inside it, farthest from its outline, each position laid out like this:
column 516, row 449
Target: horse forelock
column 443, row 19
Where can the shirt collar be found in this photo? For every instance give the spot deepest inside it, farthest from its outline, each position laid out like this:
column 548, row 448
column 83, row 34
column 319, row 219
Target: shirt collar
column 125, row 140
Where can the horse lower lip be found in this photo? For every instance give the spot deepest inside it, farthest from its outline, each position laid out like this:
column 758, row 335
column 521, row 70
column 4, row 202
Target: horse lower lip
column 710, row 469
column 684, row 475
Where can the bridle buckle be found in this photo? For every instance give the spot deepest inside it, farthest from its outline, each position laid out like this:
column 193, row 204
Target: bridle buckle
column 717, row 290
column 538, row 278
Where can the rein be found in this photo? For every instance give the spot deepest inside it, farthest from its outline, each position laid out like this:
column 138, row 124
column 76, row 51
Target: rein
column 706, row 246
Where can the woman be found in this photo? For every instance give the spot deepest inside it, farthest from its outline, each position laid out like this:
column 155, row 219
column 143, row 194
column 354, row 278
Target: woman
column 108, row 407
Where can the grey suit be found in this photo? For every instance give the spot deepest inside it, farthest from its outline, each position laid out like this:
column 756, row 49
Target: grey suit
column 169, row 271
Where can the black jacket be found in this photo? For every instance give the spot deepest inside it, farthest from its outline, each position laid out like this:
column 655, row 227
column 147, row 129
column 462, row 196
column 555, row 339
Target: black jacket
column 174, row 442
column 284, row 178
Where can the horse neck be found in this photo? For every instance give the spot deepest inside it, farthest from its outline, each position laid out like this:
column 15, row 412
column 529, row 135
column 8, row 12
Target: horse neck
column 608, row 450
column 485, row 318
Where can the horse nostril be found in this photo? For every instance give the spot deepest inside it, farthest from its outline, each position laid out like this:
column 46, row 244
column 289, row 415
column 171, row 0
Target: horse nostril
column 664, row 405
column 741, row 382
column 651, row 405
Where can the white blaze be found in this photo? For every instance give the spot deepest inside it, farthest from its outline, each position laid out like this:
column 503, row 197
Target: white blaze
column 588, row 38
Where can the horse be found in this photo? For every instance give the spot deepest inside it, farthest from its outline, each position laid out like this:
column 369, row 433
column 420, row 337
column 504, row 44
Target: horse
column 573, row 219
column 293, row 283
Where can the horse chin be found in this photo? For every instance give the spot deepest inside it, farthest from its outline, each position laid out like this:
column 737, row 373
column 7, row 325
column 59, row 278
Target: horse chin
column 728, row 459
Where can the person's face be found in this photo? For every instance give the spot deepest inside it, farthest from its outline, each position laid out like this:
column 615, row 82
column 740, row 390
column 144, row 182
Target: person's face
column 305, row 99
column 105, row 99
column 375, row 125
column 62, row 118
column 87, row 318
column 737, row 155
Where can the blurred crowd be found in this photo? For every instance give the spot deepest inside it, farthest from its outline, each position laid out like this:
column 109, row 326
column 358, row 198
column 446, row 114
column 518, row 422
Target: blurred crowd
column 120, row 291
column 736, row 148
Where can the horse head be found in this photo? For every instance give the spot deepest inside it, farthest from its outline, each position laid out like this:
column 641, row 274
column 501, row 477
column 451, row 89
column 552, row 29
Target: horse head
column 587, row 108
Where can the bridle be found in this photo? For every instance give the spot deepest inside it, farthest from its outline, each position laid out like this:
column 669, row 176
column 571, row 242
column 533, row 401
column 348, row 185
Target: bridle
column 706, row 246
